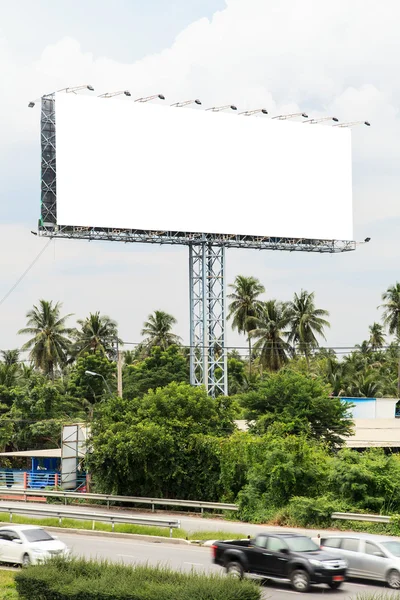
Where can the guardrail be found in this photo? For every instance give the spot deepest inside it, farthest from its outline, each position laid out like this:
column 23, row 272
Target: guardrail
column 89, row 516
column 361, row 517
column 110, row 498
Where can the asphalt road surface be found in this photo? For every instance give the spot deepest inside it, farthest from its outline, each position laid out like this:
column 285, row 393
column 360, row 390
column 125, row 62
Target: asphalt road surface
column 191, row 523
column 188, row 557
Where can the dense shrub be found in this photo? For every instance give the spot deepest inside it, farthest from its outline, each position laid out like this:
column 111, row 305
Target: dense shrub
column 87, row 580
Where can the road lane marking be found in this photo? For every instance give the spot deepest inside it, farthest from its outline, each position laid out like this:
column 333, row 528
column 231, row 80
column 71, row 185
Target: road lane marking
column 195, row 564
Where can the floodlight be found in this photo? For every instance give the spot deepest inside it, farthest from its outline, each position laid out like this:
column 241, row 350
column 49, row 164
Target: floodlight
column 112, row 94
column 77, row 88
column 186, row 102
column 353, row 123
column 290, row 116
column 68, row 90
column 147, row 98
column 321, row 120
column 248, row 113
column 219, row 108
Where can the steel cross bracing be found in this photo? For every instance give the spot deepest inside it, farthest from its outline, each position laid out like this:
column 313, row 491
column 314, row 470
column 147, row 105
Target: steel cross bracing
column 208, row 360
column 48, row 163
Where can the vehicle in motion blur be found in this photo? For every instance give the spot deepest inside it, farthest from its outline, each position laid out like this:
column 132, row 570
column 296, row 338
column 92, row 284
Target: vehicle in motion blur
column 368, row 556
column 282, row 556
column 28, row 544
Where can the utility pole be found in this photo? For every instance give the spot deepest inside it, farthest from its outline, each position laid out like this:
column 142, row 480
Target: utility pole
column 118, row 357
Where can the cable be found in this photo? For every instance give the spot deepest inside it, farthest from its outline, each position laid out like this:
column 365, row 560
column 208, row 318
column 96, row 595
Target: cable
column 25, row 272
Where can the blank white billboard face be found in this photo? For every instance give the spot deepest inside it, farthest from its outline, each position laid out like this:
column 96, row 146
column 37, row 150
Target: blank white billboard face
column 145, row 166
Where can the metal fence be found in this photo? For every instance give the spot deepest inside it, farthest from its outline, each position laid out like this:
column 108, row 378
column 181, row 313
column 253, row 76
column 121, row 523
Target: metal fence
column 361, row 517
column 60, row 514
column 21, row 479
column 108, row 498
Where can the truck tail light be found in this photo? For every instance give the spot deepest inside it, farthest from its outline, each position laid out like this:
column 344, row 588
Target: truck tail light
column 214, row 550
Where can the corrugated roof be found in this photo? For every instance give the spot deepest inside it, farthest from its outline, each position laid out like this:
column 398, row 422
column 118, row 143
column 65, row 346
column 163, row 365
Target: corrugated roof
column 53, row 453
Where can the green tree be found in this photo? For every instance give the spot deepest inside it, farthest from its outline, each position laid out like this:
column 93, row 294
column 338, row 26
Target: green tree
column 306, row 322
column 245, row 305
column 158, row 331
column 391, row 318
column 283, row 467
column 369, row 480
column 391, row 306
column 301, row 404
column 376, row 336
column 269, row 331
column 165, row 444
column 92, row 389
column 50, row 344
column 158, row 370
column 97, row 334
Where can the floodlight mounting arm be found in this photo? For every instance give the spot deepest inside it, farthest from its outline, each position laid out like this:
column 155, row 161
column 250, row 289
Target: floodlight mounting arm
column 248, row 113
column 321, row 120
column 147, row 98
column 291, row 116
column 68, row 90
column 186, row 102
column 353, row 123
column 112, row 94
column 220, row 108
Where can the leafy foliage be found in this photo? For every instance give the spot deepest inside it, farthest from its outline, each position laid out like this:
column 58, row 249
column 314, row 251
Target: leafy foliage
column 158, row 370
column 301, row 404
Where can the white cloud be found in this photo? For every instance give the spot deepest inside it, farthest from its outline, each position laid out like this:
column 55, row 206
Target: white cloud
column 339, row 58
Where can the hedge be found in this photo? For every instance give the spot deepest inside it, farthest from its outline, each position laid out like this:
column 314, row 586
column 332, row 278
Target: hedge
column 78, row 579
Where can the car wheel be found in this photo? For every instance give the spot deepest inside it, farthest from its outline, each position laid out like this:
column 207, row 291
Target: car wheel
column 26, row 561
column 393, row 579
column 300, row 580
column 235, row 569
column 335, row 585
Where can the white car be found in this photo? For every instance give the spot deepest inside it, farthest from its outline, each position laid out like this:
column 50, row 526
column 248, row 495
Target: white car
column 28, row 545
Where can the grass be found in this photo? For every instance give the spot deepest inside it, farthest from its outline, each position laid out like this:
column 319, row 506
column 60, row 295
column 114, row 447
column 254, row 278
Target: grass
column 7, row 586
column 120, row 528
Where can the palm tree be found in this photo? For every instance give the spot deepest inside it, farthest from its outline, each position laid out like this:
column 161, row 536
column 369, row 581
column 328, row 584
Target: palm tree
column 306, row 322
column 50, row 343
column 10, row 357
column 376, row 336
column 391, row 317
column 268, row 329
column 158, row 330
column 245, row 305
column 391, row 306
column 98, row 333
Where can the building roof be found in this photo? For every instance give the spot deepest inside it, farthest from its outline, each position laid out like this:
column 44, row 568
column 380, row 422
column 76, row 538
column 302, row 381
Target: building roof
column 53, row 453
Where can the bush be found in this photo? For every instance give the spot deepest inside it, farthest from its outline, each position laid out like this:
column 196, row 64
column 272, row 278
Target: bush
column 307, row 512
column 79, row 579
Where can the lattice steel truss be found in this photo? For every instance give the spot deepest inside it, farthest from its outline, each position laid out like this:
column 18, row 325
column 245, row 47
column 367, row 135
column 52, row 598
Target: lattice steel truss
column 208, row 361
column 48, row 163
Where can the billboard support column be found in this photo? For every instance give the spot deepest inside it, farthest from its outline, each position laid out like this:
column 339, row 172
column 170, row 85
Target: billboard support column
column 48, row 213
column 208, row 360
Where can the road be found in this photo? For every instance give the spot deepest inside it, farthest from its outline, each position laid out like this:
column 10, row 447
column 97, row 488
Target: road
column 191, row 523
column 189, row 557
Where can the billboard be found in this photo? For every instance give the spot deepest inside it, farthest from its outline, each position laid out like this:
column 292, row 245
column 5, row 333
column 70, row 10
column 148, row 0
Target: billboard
column 147, row 166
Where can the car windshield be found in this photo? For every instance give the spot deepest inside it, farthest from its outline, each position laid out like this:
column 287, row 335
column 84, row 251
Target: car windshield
column 301, row 544
column 37, row 535
column 392, row 547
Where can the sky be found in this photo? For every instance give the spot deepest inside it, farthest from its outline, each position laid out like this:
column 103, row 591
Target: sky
column 316, row 56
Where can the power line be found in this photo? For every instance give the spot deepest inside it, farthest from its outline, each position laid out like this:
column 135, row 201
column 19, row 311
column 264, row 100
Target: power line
column 25, row 272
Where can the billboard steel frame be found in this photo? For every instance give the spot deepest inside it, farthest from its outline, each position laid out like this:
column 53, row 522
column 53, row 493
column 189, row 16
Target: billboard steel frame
column 208, row 359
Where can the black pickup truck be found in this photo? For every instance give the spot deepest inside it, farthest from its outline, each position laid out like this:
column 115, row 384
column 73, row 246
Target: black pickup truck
column 286, row 556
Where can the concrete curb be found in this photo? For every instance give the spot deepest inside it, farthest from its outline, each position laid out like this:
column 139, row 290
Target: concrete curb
column 128, row 536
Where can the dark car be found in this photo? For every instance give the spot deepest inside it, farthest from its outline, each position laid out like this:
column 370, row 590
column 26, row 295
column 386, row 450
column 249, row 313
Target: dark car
column 284, row 556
